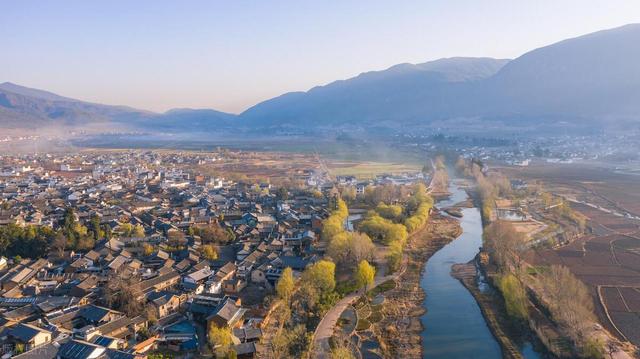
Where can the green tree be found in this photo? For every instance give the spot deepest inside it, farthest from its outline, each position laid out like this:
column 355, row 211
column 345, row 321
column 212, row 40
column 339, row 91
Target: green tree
column 208, row 251
column 126, row 229
column 365, row 274
column 349, row 248
column 285, row 285
column 392, row 212
column 220, row 340
column 138, row 231
column 515, row 297
column 282, row 193
column 342, row 352
column 321, row 275
column 593, row 348
column 94, row 226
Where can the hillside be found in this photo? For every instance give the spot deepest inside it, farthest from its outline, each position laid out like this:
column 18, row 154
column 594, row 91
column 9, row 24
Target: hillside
column 584, row 82
column 592, row 79
column 23, row 107
column 402, row 92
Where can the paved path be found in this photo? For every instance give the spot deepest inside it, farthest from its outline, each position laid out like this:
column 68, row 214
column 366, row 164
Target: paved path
column 324, row 331
column 325, row 328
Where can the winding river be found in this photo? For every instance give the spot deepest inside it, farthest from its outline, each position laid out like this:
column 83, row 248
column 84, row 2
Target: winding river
column 453, row 323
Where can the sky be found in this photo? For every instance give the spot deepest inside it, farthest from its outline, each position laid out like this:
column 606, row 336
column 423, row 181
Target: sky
column 229, row 55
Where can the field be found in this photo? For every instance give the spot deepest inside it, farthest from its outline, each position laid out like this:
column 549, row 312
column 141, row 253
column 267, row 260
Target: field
column 366, row 170
column 262, row 166
column 286, row 166
column 608, row 259
column 599, row 185
column 623, row 305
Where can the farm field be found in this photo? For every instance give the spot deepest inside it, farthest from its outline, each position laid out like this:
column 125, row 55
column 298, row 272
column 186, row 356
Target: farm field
column 599, row 185
column 608, row 259
column 366, row 170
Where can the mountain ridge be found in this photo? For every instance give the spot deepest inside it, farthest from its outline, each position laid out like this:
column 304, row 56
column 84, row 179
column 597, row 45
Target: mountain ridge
column 589, row 79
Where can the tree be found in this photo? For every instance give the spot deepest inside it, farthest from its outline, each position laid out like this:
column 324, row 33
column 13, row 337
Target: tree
column 126, row 229
column 515, row 297
column 321, row 275
column 138, row 231
column 94, row 226
column 365, row 274
column 106, row 229
column 123, row 295
column 59, row 244
column 593, row 348
column 334, row 224
column 282, row 194
column 569, row 302
column 220, row 340
column 349, row 248
column 147, row 249
column 208, row 251
column 285, row 284
column 213, row 233
column 294, row 342
column 342, row 352
column 394, row 257
column 504, row 244
column 392, row 211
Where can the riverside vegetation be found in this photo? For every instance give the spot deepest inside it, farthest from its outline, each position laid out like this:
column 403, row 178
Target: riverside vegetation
column 528, row 291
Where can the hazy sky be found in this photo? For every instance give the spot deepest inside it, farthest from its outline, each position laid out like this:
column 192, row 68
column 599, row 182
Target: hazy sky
column 231, row 54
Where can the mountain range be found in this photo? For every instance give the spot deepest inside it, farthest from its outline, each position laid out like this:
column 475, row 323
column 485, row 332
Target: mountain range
column 589, row 80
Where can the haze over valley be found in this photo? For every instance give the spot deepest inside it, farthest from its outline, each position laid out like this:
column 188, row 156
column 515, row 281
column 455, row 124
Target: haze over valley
column 228, row 179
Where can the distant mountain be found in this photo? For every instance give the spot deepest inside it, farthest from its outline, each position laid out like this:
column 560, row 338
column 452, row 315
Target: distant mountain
column 576, row 83
column 593, row 78
column 23, row 107
column 401, row 92
column 596, row 76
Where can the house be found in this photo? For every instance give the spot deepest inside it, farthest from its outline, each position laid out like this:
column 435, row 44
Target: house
column 226, row 272
column 234, row 286
column 78, row 349
column 227, row 313
column 166, row 278
column 247, row 335
column 195, row 279
column 164, row 302
column 245, row 350
column 27, row 335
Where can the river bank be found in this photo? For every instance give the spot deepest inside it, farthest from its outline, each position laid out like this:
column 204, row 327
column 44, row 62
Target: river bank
column 492, row 311
column 399, row 331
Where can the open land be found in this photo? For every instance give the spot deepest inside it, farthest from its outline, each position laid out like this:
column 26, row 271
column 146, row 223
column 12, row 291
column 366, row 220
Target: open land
column 608, row 258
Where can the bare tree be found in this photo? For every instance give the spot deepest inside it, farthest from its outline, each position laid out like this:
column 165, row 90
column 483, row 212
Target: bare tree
column 569, row 302
column 504, row 244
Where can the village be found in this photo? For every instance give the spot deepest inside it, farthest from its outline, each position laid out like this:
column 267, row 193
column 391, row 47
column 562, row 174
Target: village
column 122, row 254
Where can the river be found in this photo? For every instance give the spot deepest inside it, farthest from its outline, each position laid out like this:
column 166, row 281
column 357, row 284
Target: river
column 453, row 324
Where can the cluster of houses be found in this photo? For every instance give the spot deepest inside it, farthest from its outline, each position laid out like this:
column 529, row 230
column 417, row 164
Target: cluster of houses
column 153, row 288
